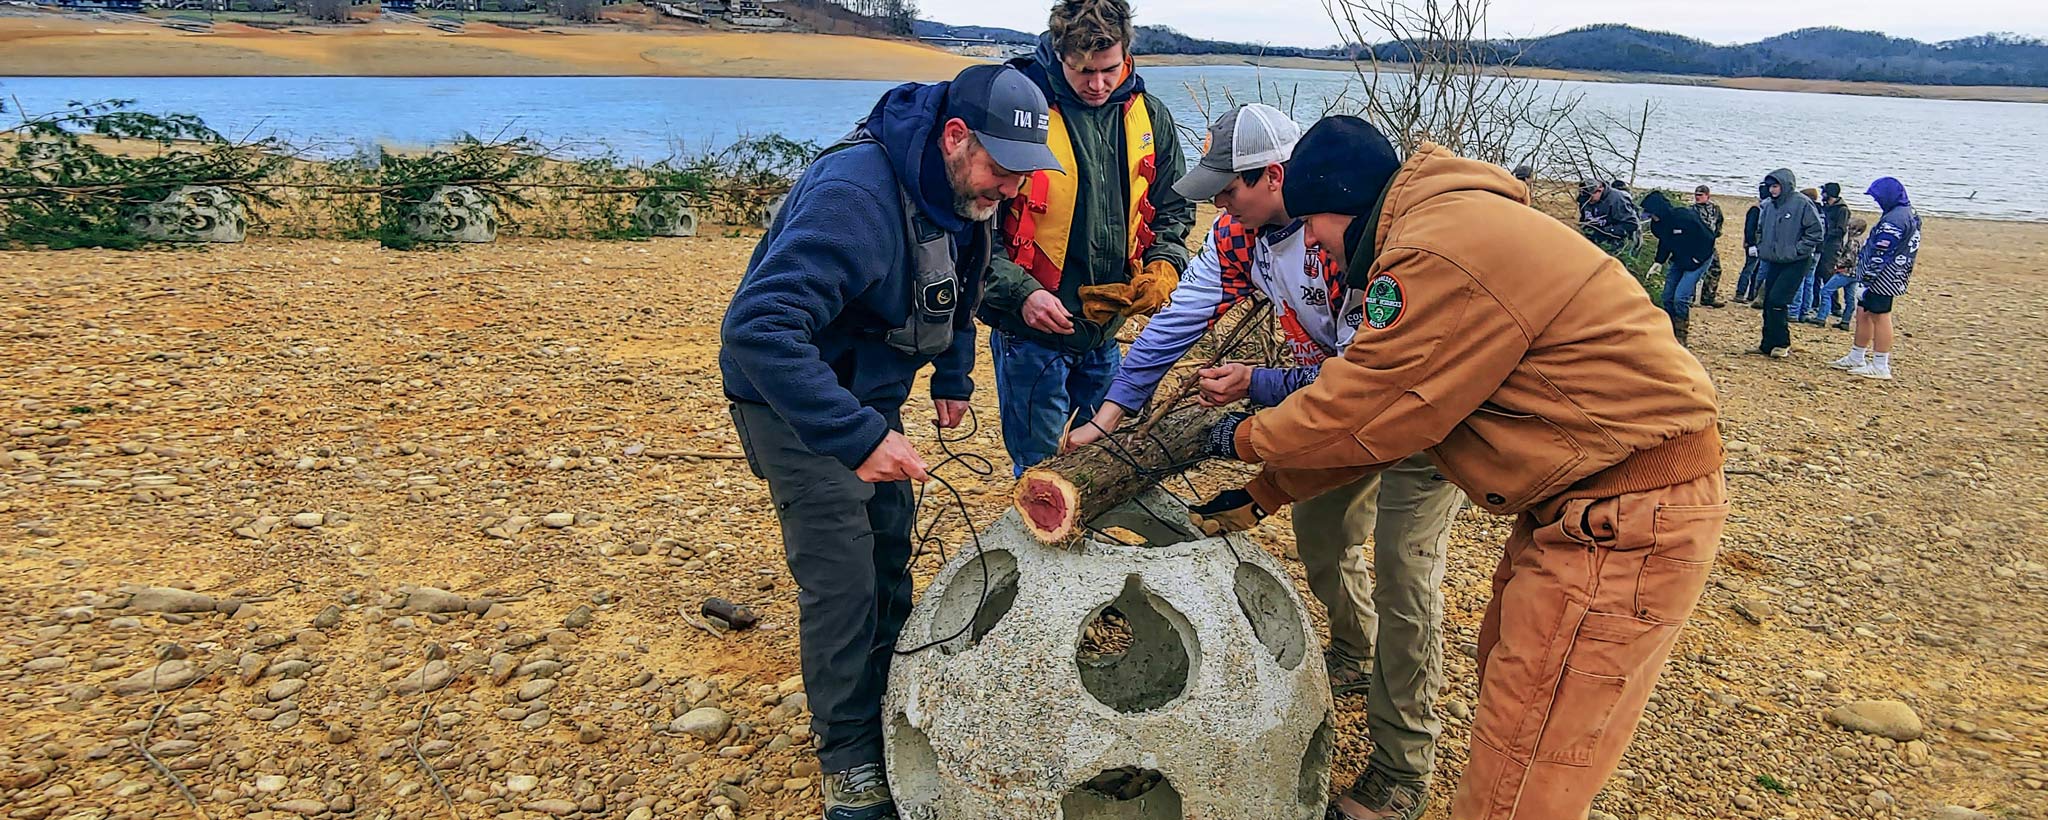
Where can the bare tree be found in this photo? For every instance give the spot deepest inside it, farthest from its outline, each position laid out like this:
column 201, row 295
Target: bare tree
column 1429, row 73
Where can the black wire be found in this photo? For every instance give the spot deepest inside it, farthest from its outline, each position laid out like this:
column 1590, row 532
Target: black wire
column 980, row 466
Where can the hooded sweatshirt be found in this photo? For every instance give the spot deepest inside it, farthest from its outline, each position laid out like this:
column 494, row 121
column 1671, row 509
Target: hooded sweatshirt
column 1788, row 228
column 1682, row 239
column 1099, row 251
column 1886, row 263
column 804, row 333
column 1834, row 219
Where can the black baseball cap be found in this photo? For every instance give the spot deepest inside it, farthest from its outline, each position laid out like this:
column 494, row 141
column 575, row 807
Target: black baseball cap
column 1007, row 112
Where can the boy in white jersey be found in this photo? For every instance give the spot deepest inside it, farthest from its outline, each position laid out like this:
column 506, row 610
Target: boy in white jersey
column 1385, row 640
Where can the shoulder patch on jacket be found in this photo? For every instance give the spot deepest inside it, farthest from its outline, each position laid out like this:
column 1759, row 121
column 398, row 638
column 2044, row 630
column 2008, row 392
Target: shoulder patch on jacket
column 1385, row 303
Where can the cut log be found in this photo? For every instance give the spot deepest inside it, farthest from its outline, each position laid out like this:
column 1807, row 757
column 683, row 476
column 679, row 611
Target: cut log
column 1060, row 496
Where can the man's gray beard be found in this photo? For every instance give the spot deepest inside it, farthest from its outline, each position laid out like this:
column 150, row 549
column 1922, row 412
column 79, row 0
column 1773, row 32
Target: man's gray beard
column 963, row 203
column 965, row 207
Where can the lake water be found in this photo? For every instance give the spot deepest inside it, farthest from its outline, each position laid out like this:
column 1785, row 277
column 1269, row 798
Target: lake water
column 1961, row 158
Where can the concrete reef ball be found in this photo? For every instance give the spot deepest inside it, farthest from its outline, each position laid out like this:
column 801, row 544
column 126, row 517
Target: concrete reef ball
column 1178, row 679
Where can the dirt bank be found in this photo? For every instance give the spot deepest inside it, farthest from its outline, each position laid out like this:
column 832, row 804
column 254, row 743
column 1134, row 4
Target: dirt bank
column 306, row 431
column 48, row 45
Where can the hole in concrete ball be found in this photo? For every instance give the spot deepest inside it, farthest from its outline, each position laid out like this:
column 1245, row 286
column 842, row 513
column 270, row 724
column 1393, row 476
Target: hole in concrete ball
column 1124, row 793
column 1136, row 653
column 1313, row 789
column 973, row 601
column 913, row 766
column 1265, row 604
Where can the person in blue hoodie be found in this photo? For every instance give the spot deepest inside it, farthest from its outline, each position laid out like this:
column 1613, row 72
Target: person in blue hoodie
column 870, row 271
column 1885, row 266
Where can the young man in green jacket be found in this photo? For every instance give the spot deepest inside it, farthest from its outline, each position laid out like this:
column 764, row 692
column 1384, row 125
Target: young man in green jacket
column 1084, row 250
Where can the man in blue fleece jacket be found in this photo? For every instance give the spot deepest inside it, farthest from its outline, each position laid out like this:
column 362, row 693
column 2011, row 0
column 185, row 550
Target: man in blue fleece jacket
column 870, row 271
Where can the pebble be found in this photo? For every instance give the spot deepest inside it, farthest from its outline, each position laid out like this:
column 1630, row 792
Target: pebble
column 578, row 618
column 589, row 733
column 302, row 806
column 429, row 599
column 1959, row 813
column 307, row 521
column 270, row 784
column 706, row 723
column 1885, row 718
column 328, row 618
column 1755, row 610
column 521, row 783
column 557, row 520
column 558, row 808
column 284, row 689
column 434, row 675
column 536, row 688
column 167, row 599
column 159, row 678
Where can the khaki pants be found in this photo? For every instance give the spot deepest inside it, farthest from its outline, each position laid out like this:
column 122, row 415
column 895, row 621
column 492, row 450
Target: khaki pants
column 1392, row 628
column 1587, row 602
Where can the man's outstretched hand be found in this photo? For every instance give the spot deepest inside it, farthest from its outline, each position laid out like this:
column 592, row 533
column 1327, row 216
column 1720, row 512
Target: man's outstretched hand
column 1229, row 511
column 893, row 460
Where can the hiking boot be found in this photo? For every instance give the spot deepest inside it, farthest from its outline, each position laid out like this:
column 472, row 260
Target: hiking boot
column 1346, row 678
column 1383, row 796
column 859, row 793
column 1680, row 327
column 1716, row 304
column 1843, row 326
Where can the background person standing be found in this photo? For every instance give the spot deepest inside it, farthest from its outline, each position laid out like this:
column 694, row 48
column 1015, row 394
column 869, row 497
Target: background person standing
column 1685, row 248
column 1887, row 267
column 1709, row 212
column 1789, row 234
column 1749, row 284
column 1834, row 219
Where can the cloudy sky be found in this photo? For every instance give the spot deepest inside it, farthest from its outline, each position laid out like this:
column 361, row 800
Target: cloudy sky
column 1306, row 23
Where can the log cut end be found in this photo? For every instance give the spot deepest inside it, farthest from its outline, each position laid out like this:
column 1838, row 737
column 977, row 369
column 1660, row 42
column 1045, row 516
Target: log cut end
column 1050, row 504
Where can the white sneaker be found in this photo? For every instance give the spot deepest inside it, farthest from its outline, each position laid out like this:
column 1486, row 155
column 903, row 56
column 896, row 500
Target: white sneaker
column 1870, row 370
column 1781, row 353
column 1847, row 363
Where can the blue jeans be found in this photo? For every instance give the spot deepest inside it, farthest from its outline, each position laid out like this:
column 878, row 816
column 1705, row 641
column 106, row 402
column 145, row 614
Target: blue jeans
column 1848, row 287
column 1038, row 387
column 1807, row 305
column 1679, row 287
column 1750, row 284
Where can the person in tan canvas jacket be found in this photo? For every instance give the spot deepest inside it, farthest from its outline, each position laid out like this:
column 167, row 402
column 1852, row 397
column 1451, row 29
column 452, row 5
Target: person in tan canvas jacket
column 1541, row 380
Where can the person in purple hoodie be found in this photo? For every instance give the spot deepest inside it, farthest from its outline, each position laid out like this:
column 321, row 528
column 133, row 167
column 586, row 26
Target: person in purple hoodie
column 1886, row 265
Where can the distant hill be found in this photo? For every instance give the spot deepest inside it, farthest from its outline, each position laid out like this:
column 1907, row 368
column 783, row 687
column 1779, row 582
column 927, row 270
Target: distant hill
column 1007, row 36
column 1806, row 54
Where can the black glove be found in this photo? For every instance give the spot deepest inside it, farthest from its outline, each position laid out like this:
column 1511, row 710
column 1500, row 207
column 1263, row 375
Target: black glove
column 1229, row 511
column 1223, row 437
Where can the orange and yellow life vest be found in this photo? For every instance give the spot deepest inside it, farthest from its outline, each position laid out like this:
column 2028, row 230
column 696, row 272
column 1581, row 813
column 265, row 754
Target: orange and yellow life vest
column 1040, row 220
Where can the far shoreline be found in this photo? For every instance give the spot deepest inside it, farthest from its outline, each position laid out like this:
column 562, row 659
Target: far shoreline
column 1962, row 93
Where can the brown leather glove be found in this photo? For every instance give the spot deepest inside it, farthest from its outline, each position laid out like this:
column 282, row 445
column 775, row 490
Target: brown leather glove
column 1151, row 287
column 1229, row 511
column 1101, row 303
